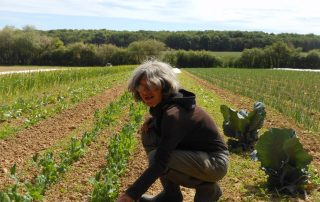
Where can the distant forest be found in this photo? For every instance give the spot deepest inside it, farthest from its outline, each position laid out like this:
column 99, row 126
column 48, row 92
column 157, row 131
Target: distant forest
column 65, row 47
column 188, row 40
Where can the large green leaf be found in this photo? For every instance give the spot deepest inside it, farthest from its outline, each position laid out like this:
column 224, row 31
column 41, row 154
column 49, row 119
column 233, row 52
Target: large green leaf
column 225, row 112
column 270, row 147
column 284, row 159
column 257, row 116
column 298, row 157
column 237, row 121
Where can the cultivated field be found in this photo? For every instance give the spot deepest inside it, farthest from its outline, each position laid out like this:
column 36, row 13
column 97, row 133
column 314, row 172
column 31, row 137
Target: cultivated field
column 72, row 135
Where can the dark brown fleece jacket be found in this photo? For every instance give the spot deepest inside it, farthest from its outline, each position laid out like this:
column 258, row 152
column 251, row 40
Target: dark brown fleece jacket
column 180, row 125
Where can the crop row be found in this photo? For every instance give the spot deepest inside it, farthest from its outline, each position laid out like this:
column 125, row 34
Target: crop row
column 29, row 111
column 295, row 94
column 17, row 84
column 50, row 168
column 107, row 181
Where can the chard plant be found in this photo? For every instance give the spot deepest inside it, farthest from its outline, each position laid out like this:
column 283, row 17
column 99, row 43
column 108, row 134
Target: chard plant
column 243, row 127
column 284, row 160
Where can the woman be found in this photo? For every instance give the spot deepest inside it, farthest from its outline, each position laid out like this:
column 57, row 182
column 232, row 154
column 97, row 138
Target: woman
column 182, row 141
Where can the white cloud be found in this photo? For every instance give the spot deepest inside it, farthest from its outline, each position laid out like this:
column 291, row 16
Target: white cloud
column 248, row 14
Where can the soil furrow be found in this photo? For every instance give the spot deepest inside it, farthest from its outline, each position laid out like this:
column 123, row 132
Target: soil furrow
column 20, row 148
column 75, row 185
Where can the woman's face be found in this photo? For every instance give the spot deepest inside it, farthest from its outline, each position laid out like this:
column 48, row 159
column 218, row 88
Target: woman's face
column 150, row 95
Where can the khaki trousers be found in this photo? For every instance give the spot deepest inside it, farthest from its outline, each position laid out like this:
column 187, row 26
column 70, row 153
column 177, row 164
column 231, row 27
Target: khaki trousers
column 189, row 168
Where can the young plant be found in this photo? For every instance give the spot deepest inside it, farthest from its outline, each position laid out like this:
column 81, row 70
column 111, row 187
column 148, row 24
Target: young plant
column 107, row 182
column 284, row 160
column 11, row 193
column 242, row 127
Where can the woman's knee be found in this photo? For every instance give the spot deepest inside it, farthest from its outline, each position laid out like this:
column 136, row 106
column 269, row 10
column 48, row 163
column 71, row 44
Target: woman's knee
column 199, row 165
column 182, row 179
column 219, row 167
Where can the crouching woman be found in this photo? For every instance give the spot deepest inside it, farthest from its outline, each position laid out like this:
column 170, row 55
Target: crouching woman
column 182, row 141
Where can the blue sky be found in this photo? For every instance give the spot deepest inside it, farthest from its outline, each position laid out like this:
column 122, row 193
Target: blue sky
column 271, row 16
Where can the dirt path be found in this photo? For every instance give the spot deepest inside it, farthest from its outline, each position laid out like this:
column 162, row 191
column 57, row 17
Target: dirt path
column 28, row 71
column 16, row 68
column 19, row 149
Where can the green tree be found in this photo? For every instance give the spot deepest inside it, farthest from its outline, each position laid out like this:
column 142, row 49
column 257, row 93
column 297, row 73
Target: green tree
column 7, row 45
column 83, row 54
column 142, row 50
column 99, row 38
column 279, row 54
column 106, row 52
column 179, row 41
column 313, row 59
column 254, row 57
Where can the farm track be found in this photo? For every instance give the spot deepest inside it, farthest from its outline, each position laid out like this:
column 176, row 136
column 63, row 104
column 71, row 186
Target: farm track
column 20, row 148
column 274, row 119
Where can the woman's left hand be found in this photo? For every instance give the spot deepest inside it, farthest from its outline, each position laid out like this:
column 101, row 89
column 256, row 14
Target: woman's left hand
column 125, row 198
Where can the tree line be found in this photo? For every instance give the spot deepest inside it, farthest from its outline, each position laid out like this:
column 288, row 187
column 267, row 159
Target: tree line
column 278, row 55
column 183, row 49
column 188, row 40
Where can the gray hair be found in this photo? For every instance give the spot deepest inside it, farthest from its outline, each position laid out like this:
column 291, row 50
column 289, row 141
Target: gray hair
column 156, row 73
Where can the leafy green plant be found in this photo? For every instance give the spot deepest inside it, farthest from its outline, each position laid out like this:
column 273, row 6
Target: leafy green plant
column 284, row 160
column 106, row 182
column 243, row 127
column 11, row 194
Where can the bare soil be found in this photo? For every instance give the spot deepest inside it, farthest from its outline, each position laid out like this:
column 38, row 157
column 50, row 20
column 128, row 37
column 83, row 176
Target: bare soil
column 75, row 185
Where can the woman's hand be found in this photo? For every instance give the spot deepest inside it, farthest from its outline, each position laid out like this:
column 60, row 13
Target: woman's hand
column 125, row 198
